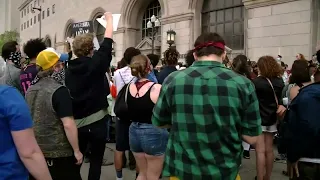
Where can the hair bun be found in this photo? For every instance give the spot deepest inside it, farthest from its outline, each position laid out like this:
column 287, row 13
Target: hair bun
column 134, row 71
column 139, row 66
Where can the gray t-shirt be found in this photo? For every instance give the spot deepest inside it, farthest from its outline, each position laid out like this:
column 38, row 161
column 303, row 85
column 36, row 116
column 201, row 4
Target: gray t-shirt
column 11, row 76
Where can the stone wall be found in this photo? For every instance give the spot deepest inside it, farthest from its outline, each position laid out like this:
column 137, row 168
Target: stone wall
column 283, row 29
column 272, row 26
column 54, row 25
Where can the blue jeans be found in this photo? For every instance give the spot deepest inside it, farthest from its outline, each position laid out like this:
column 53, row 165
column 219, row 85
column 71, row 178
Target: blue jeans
column 148, row 139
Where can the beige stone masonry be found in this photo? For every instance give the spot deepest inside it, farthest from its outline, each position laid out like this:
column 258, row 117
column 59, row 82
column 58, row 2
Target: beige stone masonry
column 278, row 27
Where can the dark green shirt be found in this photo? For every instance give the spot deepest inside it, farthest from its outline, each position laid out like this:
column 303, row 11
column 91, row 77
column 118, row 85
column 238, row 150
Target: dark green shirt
column 208, row 107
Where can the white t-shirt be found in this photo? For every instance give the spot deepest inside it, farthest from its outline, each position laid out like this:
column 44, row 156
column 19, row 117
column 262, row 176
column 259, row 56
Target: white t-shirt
column 123, row 76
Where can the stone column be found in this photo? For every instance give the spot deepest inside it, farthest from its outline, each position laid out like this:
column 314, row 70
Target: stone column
column 118, row 37
column 278, row 27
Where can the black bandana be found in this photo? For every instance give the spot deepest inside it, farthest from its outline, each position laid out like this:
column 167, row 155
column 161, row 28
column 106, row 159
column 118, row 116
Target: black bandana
column 15, row 57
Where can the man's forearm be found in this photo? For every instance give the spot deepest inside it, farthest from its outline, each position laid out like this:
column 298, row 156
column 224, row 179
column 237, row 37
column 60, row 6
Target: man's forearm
column 37, row 166
column 72, row 135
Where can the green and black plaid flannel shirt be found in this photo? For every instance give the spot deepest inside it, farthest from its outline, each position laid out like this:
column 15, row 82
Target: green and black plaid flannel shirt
column 208, row 107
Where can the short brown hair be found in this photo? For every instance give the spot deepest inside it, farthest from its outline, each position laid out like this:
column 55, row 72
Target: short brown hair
column 139, row 65
column 171, row 56
column 269, row 67
column 83, row 45
column 206, row 51
column 130, row 53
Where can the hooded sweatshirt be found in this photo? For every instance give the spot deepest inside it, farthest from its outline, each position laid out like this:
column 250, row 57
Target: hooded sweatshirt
column 86, row 81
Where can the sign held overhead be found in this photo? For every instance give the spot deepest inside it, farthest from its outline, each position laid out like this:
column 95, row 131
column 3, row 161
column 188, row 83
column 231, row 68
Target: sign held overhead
column 116, row 18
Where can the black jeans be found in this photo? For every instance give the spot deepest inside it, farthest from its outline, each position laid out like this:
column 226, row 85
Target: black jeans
column 94, row 134
column 63, row 168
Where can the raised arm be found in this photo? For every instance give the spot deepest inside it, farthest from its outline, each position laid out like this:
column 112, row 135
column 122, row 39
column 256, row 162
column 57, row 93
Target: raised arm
column 102, row 58
column 19, row 119
column 109, row 29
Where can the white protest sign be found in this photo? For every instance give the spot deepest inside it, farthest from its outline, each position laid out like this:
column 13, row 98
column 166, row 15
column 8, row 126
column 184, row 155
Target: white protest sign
column 116, row 19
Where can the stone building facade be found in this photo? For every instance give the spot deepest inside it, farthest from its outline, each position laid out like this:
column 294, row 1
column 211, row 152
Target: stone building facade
column 8, row 15
column 251, row 27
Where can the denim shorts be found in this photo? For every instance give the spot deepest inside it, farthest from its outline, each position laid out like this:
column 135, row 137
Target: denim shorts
column 148, row 139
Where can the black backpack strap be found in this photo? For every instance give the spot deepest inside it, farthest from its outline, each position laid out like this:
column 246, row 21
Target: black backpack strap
column 122, row 78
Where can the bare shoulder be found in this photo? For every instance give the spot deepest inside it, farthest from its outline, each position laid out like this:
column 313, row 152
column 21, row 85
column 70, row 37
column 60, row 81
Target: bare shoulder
column 156, row 88
column 155, row 91
column 294, row 92
column 295, row 88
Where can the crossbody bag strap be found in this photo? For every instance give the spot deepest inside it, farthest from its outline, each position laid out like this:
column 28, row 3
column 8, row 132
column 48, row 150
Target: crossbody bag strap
column 127, row 91
column 274, row 92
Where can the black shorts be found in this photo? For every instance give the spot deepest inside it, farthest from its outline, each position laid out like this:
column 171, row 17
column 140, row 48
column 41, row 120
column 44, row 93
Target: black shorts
column 122, row 135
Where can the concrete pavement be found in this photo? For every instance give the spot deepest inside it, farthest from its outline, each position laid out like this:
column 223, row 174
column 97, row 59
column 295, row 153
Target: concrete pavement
column 247, row 170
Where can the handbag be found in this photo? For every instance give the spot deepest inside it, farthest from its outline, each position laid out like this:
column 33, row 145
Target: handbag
column 276, row 99
column 121, row 106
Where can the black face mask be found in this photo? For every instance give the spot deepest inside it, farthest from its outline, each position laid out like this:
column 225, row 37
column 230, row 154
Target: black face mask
column 59, row 76
column 15, row 57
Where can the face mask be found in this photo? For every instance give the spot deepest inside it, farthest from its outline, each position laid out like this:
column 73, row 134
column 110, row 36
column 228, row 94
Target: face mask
column 15, row 57
column 59, row 76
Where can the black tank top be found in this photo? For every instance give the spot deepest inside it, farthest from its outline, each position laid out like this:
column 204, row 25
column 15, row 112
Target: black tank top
column 140, row 108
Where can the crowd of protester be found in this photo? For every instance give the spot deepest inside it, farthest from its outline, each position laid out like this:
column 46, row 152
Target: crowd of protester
column 193, row 121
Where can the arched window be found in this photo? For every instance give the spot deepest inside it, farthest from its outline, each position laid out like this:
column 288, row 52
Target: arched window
column 154, row 8
column 69, row 31
column 226, row 17
column 98, row 29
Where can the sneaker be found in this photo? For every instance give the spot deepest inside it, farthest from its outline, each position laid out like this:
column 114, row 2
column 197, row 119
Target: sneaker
column 281, row 158
column 246, row 154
